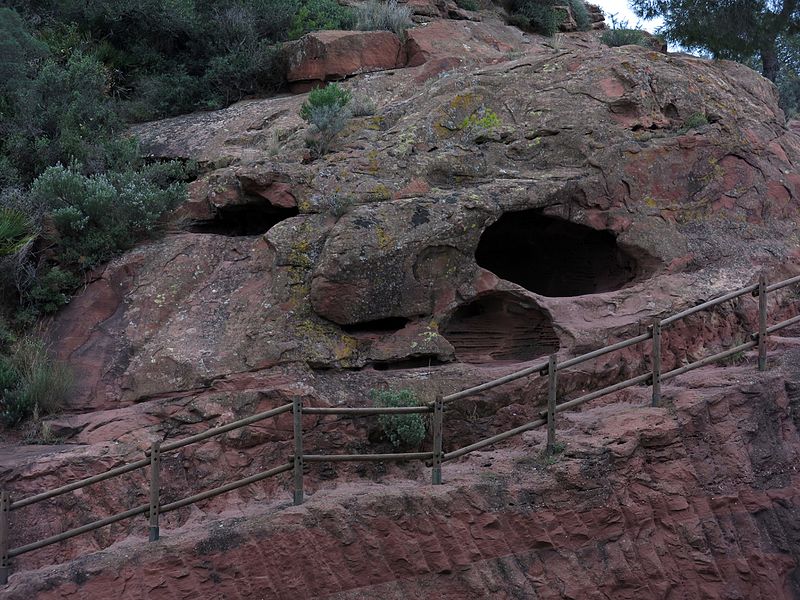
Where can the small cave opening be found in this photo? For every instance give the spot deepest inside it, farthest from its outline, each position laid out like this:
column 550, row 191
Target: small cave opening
column 500, row 327
column 422, row 361
column 254, row 218
column 554, row 257
column 379, row 326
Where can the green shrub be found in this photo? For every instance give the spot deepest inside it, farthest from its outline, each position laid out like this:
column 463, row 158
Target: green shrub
column 327, row 111
column 17, row 230
column 332, row 95
column 581, row 14
column 695, row 120
column 314, row 15
column 50, row 291
column 402, row 430
column 362, row 106
column 243, row 72
column 376, row 16
column 518, row 20
column 31, row 382
column 542, row 16
column 622, row 36
column 468, row 4
column 99, row 216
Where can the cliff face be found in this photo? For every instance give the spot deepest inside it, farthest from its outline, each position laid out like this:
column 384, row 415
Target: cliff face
column 699, row 500
column 512, row 196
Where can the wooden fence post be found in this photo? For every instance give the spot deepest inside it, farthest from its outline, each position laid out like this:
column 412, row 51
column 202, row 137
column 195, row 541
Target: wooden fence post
column 656, row 366
column 297, row 413
column 5, row 509
column 552, row 395
column 155, row 489
column 438, row 423
column 762, row 322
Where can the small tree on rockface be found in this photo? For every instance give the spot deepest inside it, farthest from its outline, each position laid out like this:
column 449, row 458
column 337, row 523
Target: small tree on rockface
column 733, row 29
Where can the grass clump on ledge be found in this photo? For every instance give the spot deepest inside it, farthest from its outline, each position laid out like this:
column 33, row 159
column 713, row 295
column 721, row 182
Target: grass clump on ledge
column 388, row 16
column 622, row 35
column 402, row 430
column 468, row 4
column 546, row 16
column 32, row 384
column 327, row 111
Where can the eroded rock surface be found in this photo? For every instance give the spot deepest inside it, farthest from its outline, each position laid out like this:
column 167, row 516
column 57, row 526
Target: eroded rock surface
column 699, row 500
column 411, row 256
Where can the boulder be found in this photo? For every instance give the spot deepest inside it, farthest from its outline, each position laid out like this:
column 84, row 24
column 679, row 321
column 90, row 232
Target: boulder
column 330, row 55
column 487, row 42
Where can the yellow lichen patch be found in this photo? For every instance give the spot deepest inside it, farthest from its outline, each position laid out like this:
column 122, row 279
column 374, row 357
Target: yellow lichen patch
column 384, row 238
column 381, row 192
column 346, row 348
column 464, row 101
column 376, row 123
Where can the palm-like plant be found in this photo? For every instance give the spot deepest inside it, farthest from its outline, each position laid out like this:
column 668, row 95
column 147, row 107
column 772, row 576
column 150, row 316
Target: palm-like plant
column 16, row 231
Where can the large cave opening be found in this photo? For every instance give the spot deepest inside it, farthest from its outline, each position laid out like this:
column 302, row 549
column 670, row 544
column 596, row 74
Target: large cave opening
column 554, row 257
column 253, row 218
column 500, row 327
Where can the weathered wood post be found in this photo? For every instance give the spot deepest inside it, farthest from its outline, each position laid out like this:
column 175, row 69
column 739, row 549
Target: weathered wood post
column 297, row 413
column 5, row 510
column 552, row 395
column 656, row 366
column 438, row 423
column 155, row 489
column 762, row 322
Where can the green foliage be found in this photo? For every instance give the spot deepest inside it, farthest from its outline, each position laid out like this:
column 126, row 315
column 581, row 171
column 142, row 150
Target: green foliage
column 581, row 14
column 18, row 49
column 541, row 16
column 51, row 290
column 16, row 231
column 314, row 15
column 623, row 36
column 468, row 4
column 99, row 216
column 170, row 56
column 31, row 382
column 63, row 114
column 695, row 120
column 486, row 119
column 402, row 430
column 362, row 106
column 327, row 111
column 376, row 15
column 332, row 95
column 736, row 30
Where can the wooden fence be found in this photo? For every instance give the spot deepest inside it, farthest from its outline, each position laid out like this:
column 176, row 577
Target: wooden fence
column 549, row 369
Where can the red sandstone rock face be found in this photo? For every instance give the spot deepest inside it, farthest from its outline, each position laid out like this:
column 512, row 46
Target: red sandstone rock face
column 326, row 55
column 359, row 291
column 487, row 42
column 699, row 500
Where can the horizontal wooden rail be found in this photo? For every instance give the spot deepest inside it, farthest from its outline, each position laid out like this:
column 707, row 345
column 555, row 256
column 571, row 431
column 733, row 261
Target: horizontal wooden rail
column 494, row 439
column 367, row 457
column 80, row 484
column 700, row 307
column 140, row 510
column 638, row 380
column 783, row 284
column 226, row 488
column 437, row 456
column 224, row 428
column 389, row 410
column 783, row 324
column 537, row 368
column 708, row 360
column 602, row 351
